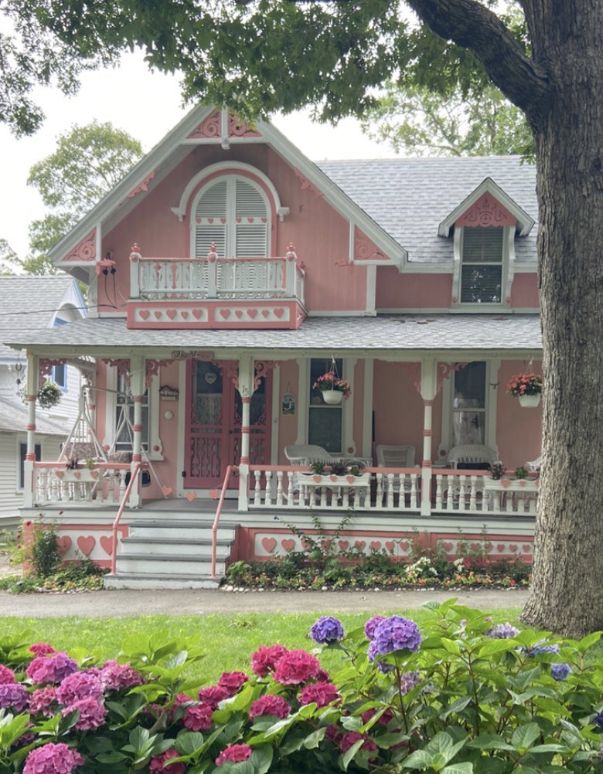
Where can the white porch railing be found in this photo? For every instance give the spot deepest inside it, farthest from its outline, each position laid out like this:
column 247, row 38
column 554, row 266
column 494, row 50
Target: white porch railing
column 390, row 490
column 377, row 489
column 102, row 484
column 214, row 277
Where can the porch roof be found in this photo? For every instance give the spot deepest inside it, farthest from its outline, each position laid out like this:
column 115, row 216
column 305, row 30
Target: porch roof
column 386, row 333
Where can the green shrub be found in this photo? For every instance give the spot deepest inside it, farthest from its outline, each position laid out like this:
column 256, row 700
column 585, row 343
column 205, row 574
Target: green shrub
column 457, row 697
column 45, row 553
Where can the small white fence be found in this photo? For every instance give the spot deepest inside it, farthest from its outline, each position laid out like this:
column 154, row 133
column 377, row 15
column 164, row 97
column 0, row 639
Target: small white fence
column 104, row 483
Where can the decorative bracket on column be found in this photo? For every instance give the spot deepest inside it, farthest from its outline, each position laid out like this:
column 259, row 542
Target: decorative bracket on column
column 122, row 365
column 152, row 368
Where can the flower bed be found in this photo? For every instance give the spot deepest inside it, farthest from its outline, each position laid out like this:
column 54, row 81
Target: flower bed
column 458, row 695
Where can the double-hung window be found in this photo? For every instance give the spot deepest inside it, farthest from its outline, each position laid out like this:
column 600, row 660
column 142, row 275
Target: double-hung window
column 124, row 417
column 325, row 423
column 469, row 404
column 482, row 265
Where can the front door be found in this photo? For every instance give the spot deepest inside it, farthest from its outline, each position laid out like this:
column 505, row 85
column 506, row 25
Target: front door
column 213, row 422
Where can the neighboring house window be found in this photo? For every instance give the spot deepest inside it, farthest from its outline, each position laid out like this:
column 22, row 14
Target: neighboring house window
column 124, row 417
column 325, row 423
column 59, row 376
column 233, row 213
column 469, row 404
column 21, row 468
column 482, row 266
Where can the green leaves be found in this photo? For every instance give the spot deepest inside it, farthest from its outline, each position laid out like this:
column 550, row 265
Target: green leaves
column 437, row 753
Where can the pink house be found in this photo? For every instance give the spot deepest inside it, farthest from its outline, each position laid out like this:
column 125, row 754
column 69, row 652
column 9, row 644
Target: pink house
column 227, row 273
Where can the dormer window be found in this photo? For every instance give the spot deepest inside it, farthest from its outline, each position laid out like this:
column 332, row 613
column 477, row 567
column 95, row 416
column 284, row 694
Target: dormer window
column 482, row 265
column 233, row 212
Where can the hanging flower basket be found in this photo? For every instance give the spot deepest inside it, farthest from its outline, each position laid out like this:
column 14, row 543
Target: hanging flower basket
column 527, row 388
column 332, row 388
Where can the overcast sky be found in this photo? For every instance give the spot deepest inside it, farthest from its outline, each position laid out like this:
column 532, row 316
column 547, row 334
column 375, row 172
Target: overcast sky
column 147, row 105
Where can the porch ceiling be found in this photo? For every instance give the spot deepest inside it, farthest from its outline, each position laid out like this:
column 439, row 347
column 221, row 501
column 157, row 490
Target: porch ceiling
column 385, row 333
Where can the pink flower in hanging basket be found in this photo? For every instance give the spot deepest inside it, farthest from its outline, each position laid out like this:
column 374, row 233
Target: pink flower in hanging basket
column 525, row 384
column 330, row 381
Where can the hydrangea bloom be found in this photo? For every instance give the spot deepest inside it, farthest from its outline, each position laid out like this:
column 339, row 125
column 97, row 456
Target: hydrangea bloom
column 295, row 667
column 41, row 649
column 234, row 753
column 270, row 705
column 198, row 717
column 79, row 685
column 232, row 682
column 119, row 677
column 395, row 633
column 540, row 649
column 50, row 669
column 6, row 675
column 503, row 631
column 327, row 629
column 350, row 738
column 265, row 659
column 408, row 681
column 385, row 718
column 371, row 625
column 13, row 696
column 52, row 759
column 560, row 671
column 41, row 702
column 160, row 763
column 319, row 693
column 213, row 695
column 92, row 713
column 322, row 676
column 598, row 719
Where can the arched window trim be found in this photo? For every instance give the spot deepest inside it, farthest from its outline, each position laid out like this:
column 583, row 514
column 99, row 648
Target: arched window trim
column 235, row 175
column 224, row 168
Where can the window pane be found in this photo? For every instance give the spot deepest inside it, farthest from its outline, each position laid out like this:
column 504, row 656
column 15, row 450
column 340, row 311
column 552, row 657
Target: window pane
column 470, row 386
column 481, row 284
column 482, row 245
column 468, row 427
column 59, row 375
column 324, row 427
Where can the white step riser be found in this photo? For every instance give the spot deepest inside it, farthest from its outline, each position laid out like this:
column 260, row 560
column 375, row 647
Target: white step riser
column 171, row 549
column 175, row 567
column 192, row 533
column 159, row 583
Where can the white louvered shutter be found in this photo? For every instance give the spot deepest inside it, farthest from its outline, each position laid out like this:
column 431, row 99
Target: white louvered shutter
column 251, row 226
column 211, row 220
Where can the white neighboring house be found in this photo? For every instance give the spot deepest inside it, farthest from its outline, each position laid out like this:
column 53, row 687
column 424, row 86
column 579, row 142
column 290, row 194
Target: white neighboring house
column 29, row 303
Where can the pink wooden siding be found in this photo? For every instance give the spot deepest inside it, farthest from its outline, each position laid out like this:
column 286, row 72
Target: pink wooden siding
column 412, row 291
column 518, row 429
column 525, row 291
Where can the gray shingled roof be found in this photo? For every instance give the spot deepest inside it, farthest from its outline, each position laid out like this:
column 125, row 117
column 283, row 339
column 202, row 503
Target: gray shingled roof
column 14, row 419
column 385, row 332
column 28, row 303
column 409, row 198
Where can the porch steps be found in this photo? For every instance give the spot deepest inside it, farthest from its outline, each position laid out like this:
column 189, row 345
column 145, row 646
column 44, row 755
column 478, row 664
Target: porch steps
column 166, row 553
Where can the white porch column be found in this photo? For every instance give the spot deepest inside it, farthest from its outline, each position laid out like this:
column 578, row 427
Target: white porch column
column 246, row 388
column 30, row 454
column 429, row 388
column 137, row 387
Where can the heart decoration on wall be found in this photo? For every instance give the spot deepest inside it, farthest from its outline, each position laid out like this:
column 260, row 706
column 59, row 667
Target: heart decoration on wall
column 86, row 544
column 269, row 544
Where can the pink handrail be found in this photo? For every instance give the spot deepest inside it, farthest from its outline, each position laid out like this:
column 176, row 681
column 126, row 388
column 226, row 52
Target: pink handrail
column 120, row 510
column 214, row 527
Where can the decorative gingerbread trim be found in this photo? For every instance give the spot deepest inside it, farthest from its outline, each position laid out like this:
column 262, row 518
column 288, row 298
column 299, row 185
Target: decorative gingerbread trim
column 487, row 212
column 210, row 127
column 143, row 186
column 306, row 185
column 84, row 251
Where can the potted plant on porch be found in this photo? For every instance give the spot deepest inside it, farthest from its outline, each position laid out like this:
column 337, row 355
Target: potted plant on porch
column 332, row 387
column 527, row 388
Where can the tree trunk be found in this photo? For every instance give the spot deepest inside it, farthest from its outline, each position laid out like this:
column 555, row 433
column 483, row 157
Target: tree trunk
column 567, row 587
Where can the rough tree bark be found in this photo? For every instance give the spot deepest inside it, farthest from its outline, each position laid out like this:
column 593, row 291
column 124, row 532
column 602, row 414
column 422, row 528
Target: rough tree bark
column 561, row 91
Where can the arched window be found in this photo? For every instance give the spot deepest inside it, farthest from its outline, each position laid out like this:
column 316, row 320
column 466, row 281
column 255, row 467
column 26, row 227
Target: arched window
column 234, row 213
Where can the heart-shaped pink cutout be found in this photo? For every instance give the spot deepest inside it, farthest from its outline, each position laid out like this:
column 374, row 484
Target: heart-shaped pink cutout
column 144, row 314
column 447, row 546
column 404, row 545
column 266, row 313
column 343, row 545
column 59, row 473
column 239, row 313
column 171, row 313
column 279, row 312
column 77, row 474
column 269, row 544
column 252, row 313
column 214, row 494
column 475, row 546
column 106, row 542
column 316, row 478
column 166, row 491
column 184, row 314
column 376, row 545
column 288, row 544
column 94, row 474
column 526, row 548
column 500, row 547
column 197, row 313
column 513, row 548
column 64, row 543
column 360, row 545
column 390, row 545
column 86, row 544
column 504, row 482
column 158, row 314
column 350, row 479
column 225, row 313
column 190, row 496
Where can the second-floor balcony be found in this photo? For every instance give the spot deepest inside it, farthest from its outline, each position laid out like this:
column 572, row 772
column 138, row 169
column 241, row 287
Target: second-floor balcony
column 216, row 291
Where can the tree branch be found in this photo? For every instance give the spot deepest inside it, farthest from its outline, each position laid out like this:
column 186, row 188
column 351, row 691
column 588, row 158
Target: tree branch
column 471, row 25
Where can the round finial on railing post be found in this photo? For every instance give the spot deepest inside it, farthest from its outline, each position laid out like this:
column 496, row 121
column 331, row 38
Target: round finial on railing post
column 212, row 255
column 135, row 254
column 291, row 255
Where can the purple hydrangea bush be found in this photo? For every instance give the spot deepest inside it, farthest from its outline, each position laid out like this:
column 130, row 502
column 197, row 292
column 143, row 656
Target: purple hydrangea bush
column 442, row 695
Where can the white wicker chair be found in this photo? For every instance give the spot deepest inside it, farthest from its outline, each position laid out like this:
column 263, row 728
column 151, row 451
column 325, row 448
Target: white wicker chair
column 389, row 456
column 471, row 454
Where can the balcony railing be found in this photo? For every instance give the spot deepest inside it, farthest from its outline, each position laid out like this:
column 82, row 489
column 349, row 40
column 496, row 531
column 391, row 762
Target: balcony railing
column 216, row 278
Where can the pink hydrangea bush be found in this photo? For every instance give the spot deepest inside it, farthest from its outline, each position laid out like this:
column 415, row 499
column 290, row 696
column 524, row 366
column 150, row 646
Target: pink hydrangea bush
column 390, row 702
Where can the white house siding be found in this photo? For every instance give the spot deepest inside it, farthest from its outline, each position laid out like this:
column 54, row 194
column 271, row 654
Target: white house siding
column 11, row 499
column 65, row 411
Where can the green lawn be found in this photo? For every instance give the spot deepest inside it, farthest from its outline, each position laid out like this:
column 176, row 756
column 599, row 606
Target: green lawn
column 226, row 640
